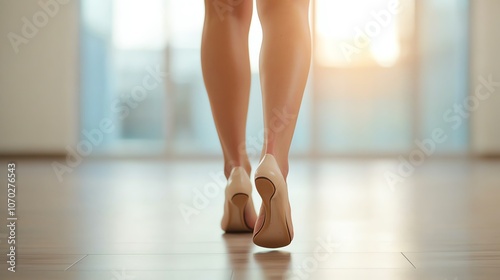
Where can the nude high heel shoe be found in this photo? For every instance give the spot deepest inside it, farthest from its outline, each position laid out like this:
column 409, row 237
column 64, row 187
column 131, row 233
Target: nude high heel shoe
column 274, row 226
column 238, row 202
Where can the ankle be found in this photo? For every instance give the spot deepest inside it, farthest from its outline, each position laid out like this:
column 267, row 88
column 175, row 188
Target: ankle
column 284, row 168
column 229, row 165
column 282, row 163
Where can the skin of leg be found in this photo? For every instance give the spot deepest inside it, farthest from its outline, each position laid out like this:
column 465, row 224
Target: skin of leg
column 284, row 67
column 227, row 76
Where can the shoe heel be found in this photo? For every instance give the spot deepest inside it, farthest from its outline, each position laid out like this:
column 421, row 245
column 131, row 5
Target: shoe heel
column 236, row 214
column 238, row 196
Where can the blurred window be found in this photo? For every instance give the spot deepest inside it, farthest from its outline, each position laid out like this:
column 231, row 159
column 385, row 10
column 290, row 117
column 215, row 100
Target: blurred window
column 383, row 74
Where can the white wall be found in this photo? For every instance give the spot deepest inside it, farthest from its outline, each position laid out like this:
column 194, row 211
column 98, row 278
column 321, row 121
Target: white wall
column 485, row 60
column 39, row 84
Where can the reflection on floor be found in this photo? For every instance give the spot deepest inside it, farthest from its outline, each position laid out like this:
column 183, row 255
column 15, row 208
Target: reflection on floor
column 151, row 219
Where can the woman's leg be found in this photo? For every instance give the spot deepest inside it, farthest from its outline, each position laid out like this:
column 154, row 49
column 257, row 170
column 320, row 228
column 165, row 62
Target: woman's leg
column 226, row 72
column 284, row 66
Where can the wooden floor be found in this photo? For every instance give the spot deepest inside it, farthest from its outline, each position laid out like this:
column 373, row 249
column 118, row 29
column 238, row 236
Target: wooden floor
column 122, row 219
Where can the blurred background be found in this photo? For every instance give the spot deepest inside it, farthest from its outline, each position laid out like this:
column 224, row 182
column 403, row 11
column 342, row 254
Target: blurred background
column 382, row 76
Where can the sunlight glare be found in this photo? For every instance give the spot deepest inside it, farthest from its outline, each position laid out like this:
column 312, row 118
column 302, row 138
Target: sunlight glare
column 339, row 25
column 138, row 24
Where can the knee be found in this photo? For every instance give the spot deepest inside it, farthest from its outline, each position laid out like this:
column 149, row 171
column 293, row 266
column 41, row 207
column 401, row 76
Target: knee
column 229, row 10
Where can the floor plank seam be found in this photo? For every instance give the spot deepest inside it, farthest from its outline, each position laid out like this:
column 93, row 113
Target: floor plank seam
column 75, row 262
column 408, row 260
